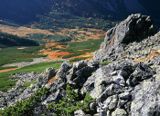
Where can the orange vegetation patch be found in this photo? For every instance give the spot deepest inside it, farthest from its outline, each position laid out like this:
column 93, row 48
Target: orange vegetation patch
column 57, row 55
column 53, row 55
column 52, row 44
column 7, row 70
column 54, row 50
column 86, row 56
column 150, row 56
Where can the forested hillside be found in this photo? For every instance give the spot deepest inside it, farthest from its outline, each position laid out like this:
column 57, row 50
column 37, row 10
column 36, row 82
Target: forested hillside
column 27, row 11
column 7, row 40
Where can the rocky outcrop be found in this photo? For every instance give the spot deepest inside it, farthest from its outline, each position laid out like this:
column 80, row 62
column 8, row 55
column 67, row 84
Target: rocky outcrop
column 134, row 29
column 114, row 91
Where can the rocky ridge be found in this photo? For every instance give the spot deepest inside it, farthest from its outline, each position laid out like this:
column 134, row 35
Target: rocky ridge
column 123, row 78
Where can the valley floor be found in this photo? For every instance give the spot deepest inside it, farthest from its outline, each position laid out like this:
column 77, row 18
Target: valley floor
column 52, row 49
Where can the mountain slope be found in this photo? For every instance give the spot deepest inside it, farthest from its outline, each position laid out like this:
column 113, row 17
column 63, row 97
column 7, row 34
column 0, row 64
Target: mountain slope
column 7, row 40
column 25, row 11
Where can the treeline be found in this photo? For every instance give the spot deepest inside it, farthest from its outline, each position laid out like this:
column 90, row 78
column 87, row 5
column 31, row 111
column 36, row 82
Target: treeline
column 8, row 40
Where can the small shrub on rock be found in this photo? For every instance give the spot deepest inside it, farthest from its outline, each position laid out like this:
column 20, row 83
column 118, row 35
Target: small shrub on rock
column 25, row 107
column 70, row 103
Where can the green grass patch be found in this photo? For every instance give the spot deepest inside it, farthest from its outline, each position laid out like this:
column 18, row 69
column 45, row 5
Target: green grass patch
column 28, row 83
column 105, row 62
column 76, row 59
column 6, row 82
column 12, row 54
column 40, row 67
column 79, row 48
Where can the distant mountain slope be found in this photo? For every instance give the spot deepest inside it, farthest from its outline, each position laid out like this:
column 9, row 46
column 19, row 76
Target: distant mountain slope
column 103, row 8
column 25, row 11
column 7, row 40
column 92, row 8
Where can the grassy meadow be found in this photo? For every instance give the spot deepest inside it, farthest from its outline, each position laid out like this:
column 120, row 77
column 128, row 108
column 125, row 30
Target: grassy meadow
column 80, row 48
column 7, row 82
column 13, row 54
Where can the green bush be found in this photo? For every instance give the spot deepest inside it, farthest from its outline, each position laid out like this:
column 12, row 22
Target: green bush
column 25, row 107
column 64, row 107
column 70, row 103
column 105, row 62
column 8, row 40
column 57, row 38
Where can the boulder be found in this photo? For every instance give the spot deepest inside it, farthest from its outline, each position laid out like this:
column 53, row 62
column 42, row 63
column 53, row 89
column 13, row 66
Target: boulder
column 53, row 97
column 114, row 74
column 93, row 107
column 79, row 73
column 79, row 113
column 146, row 98
column 109, row 86
column 3, row 102
column 119, row 112
column 111, row 102
column 140, row 73
column 62, row 72
column 110, row 91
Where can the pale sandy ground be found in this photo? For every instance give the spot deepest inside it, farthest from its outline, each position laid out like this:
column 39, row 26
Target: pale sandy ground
column 23, row 64
column 79, row 34
column 7, row 70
